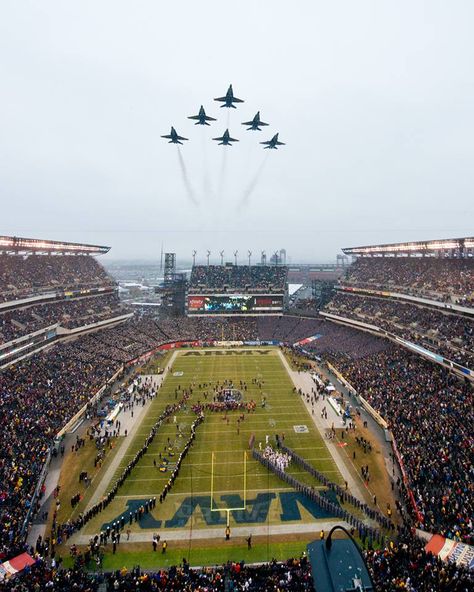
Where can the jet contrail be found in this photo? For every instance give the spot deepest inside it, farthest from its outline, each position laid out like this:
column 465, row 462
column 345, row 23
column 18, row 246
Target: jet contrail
column 206, row 181
column 253, row 184
column 187, row 184
column 220, row 187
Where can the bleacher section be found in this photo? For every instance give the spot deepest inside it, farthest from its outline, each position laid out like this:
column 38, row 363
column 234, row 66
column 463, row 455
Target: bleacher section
column 239, row 278
column 445, row 280
column 23, row 276
column 49, row 289
column 444, row 332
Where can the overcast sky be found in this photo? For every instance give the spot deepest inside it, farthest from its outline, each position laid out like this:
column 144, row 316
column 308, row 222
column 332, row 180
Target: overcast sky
column 374, row 100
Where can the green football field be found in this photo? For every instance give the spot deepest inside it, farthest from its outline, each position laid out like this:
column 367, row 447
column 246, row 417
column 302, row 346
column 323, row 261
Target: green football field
column 220, row 444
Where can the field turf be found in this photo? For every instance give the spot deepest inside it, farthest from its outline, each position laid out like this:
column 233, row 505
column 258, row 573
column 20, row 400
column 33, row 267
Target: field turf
column 269, row 500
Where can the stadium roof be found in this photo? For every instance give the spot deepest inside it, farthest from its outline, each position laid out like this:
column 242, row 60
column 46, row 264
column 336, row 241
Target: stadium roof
column 15, row 244
column 414, row 248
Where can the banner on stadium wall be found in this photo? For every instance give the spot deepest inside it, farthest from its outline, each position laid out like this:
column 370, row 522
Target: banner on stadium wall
column 449, row 550
column 435, row 357
column 15, row 565
column 420, row 350
column 228, row 343
column 418, row 514
column 307, row 340
column 364, row 290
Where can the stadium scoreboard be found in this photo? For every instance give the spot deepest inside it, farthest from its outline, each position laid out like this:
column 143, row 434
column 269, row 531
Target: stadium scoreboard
column 234, row 304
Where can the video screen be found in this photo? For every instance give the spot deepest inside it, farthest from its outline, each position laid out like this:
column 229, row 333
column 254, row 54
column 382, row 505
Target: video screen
column 234, row 304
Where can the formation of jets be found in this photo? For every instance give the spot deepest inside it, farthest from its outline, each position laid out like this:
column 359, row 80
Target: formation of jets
column 226, row 140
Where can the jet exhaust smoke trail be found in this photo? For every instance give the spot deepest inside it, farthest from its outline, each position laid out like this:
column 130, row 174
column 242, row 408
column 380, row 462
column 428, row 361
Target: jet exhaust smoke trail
column 187, row 184
column 253, row 184
column 220, row 188
column 206, row 180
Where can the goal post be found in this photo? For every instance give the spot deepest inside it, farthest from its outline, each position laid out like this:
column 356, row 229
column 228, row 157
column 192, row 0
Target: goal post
column 229, row 510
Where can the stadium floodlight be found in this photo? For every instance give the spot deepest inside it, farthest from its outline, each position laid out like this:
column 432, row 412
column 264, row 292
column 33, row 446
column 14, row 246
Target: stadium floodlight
column 222, row 257
column 194, row 257
column 235, row 257
column 276, row 257
column 19, row 244
column 208, row 255
column 229, row 510
column 249, row 255
column 420, row 247
column 264, row 258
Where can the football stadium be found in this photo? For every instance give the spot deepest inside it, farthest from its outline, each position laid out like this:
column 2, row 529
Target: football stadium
column 236, row 296
column 236, row 433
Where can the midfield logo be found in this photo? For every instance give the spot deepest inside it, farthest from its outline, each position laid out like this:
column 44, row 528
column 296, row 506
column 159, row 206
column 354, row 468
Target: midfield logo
column 257, row 512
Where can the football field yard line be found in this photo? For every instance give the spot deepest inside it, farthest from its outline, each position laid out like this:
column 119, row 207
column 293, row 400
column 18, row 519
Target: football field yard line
column 207, row 492
column 207, row 476
column 239, row 462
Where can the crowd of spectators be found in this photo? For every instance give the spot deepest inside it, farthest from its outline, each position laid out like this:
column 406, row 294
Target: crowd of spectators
column 23, row 276
column 208, row 329
column 287, row 328
column 243, row 278
column 124, row 342
column 293, row 575
column 446, row 280
column 431, row 414
column 70, row 314
column 405, row 565
column 37, row 398
column 334, row 338
column 449, row 334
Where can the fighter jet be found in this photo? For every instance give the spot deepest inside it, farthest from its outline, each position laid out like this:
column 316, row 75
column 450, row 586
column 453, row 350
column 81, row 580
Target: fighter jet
column 173, row 137
column 273, row 143
column 202, row 118
column 225, row 140
column 255, row 123
column 229, row 99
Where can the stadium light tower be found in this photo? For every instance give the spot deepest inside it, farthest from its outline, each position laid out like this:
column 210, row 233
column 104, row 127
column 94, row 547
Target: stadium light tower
column 222, row 257
column 235, row 257
column 276, row 257
column 194, row 257
column 264, row 258
column 249, row 255
column 208, row 255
